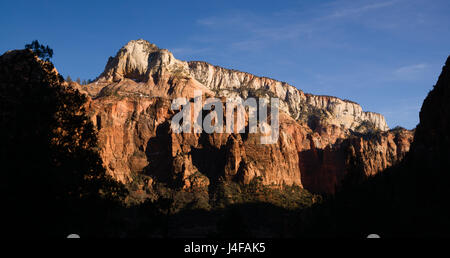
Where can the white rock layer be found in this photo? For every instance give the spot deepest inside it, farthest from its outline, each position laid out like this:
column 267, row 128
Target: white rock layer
column 139, row 60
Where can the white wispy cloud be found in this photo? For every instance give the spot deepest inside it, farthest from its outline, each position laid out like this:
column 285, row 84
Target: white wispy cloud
column 410, row 71
column 256, row 31
column 358, row 10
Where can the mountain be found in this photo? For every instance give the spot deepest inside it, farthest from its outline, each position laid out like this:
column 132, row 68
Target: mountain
column 322, row 139
column 62, row 138
column 144, row 62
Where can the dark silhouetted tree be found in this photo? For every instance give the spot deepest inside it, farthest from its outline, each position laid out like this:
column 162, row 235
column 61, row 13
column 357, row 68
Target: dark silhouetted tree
column 43, row 52
column 53, row 181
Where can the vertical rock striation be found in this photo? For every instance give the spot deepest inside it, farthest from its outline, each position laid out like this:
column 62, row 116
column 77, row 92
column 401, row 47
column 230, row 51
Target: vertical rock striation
column 322, row 139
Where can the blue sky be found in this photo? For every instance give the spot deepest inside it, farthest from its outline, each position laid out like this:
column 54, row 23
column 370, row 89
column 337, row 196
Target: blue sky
column 385, row 54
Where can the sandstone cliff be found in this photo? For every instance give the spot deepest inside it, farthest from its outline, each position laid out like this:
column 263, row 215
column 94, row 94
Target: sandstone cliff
column 322, row 139
column 142, row 61
column 293, row 101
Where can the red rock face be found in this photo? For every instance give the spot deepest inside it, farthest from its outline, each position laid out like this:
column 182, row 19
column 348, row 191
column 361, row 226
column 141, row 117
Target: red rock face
column 133, row 115
column 135, row 137
column 125, row 126
column 325, row 169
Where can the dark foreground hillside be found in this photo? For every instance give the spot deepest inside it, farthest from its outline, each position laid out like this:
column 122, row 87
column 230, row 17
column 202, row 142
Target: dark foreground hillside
column 53, row 180
column 410, row 199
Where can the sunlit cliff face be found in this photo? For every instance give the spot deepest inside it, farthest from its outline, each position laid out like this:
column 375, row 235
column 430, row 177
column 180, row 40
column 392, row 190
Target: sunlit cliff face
column 317, row 145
